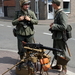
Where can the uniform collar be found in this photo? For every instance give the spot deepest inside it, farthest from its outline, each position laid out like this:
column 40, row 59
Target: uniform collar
column 25, row 12
column 58, row 10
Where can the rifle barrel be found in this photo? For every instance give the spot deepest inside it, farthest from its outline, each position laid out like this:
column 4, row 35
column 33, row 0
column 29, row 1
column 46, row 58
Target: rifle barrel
column 53, row 49
column 40, row 46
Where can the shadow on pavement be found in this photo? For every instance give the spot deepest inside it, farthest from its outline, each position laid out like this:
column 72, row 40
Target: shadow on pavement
column 8, row 60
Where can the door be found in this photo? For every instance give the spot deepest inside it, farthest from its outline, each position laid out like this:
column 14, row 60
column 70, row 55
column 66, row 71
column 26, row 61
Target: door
column 5, row 11
column 50, row 11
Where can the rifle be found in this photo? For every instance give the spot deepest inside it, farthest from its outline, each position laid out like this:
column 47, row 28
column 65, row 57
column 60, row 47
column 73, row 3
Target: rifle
column 40, row 46
column 68, row 49
column 65, row 39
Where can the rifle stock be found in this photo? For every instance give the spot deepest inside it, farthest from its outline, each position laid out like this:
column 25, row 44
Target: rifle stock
column 68, row 50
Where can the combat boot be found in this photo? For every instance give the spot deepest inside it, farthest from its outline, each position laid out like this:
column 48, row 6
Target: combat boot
column 21, row 57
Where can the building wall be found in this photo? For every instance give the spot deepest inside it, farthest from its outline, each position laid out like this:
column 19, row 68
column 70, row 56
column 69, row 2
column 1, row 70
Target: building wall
column 42, row 10
column 0, row 3
column 9, row 8
column 32, row 5
column 17, row 7
column 72, row 14
column 10, row 13
column 9, row 3
column 0, row 6
column 13, row 5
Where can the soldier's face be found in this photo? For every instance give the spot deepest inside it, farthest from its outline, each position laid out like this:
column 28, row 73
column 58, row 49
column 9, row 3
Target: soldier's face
column 54, row 5
column 26, row 6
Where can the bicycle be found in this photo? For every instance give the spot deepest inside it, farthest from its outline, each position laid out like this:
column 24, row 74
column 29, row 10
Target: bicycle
column 35, row 53
column 38, row 54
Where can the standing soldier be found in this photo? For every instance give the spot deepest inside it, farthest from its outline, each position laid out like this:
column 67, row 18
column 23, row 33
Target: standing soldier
column 24, row 20
column 57, row 27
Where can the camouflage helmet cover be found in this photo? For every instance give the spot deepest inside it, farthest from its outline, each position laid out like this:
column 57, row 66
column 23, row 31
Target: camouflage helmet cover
column 22, row 2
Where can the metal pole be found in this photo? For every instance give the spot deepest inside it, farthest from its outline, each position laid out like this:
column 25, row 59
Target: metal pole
column 3, row 7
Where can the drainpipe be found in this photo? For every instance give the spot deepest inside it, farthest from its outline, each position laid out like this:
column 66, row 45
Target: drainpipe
column 47, row 9
column 36, row 8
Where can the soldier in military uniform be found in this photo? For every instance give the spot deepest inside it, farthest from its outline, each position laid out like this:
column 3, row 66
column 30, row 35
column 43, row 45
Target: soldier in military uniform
column 57, row 28
column 24, row 21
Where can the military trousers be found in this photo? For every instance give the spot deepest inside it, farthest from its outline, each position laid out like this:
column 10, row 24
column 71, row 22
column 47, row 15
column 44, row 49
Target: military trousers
column 28, row 39
column 59, row 44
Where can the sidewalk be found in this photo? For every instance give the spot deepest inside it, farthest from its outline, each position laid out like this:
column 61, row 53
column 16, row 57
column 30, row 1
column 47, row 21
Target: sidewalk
column 47, row 22
column 40, row 22
column 9, row 59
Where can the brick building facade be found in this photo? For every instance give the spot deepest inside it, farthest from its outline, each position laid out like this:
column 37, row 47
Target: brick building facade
column 9, row 7
column 0, row 3
column 42, row 8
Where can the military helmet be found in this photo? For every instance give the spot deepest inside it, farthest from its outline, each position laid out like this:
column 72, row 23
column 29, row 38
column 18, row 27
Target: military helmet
column 22, row 2
column 57, row 2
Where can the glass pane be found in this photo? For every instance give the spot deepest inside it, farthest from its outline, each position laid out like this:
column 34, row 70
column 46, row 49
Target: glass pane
column 50, row 8
column 66, row 6
column 49, row 0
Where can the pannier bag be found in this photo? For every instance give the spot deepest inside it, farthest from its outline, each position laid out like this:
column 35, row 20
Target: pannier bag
column 63, row 60
column 45, row 63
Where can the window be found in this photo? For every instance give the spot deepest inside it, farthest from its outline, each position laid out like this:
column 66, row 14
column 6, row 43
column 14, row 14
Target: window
column 49, row 0
column 66, row 6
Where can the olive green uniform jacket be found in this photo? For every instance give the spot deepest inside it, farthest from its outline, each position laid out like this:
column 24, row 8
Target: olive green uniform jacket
column 25, row 28
column 60, row 24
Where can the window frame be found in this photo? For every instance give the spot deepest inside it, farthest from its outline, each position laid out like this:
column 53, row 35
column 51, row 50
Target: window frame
column 69, row 6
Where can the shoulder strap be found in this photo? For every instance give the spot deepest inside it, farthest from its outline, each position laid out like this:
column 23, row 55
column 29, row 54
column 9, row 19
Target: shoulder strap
column 30, row 13
column 58, row 11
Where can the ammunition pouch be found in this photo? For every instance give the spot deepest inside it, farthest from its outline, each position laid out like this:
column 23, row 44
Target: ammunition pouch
column 14, row 32
column 34, row 59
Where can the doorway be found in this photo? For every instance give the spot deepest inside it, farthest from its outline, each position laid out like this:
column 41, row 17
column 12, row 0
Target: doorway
column 50, row 11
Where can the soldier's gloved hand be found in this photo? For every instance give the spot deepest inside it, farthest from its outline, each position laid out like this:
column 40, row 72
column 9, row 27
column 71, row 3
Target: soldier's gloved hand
column 51, row 30
column 51, row 25
column 21, row 18
column 27, row 18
